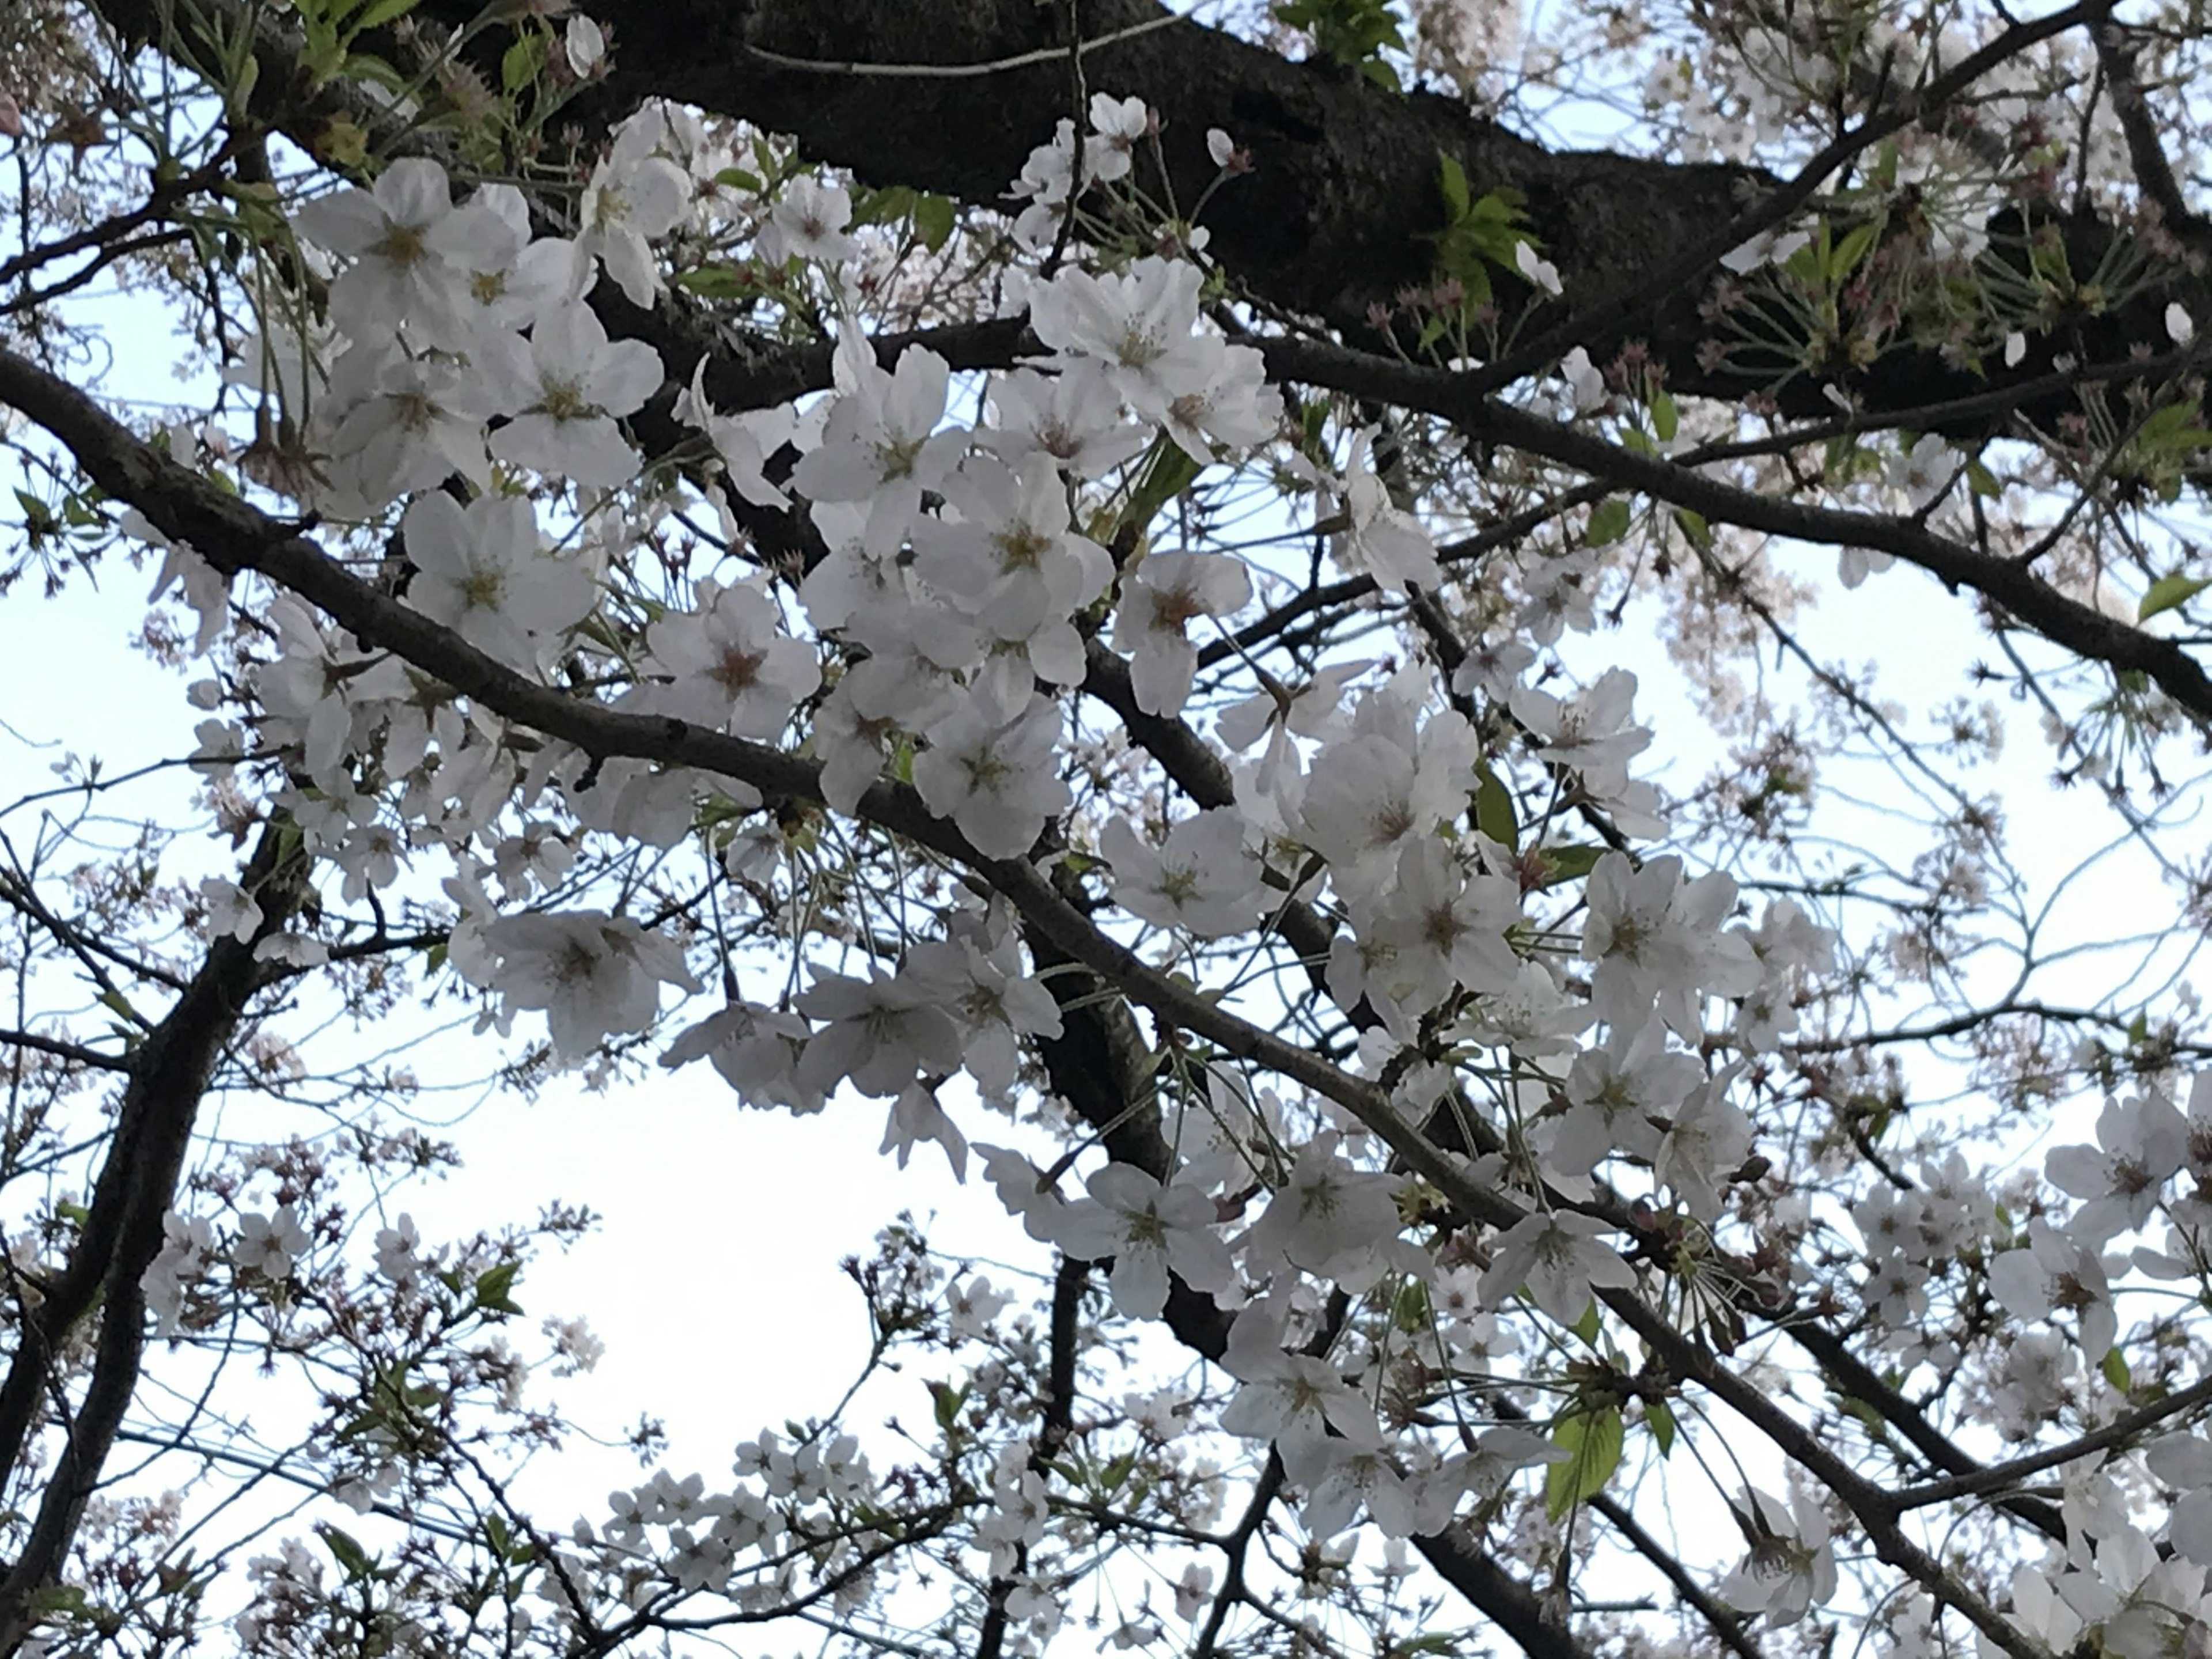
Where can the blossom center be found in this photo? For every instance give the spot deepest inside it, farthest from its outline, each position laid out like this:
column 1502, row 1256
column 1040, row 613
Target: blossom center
column 402, row 244
column 738, row 670
column 563, row 400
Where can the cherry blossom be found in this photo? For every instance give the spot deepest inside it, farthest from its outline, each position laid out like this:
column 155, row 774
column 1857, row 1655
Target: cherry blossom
column 729, row 665
column 1202, row 878
column 881, row 444
column 634, row 197
column 879, row 1033
column 1792, row 1564
column 567, row 385
column 1555, row 1256
column 403, row 235
column 1137, row 327
column 481, row 572
column 593, row 974
column 808, row 223
column 1009, row 560
column 2140, row 1143
column 1149, row 1229
column 985, row 768
column 1168, row 593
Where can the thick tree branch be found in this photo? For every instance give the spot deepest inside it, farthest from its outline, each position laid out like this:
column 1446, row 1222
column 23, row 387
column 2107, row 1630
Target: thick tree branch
column 1333, row 222
column 121, row 1234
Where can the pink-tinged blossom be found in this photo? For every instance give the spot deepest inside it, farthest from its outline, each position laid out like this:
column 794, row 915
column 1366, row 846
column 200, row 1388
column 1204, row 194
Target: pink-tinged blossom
column 2140, row 1143
column 1618, row 1095
column 1235, row 408
column 1024, row 1191
column 398, row 423
column 1710, row 1137
column 1119, row 123
column 1383, row 786
column 480, row 570
column 1169, row 591
column 1558, row 1258
column 1791, row 1567
column 269, row 1244
column 1923, row 473
column 594, row 975
column 188, row 1247
column 729, row 665
column 808, row 222
column 917, row 1115
column 567, row 385
column 1150, row 1231
column 2184, row 1461
column 1379, row 538
column 320, row 691
column 880, row 444
column 634, row 197
column 506, row 280
column 744, row 442
column 1294, row 1399
column 1004, row 556
column 2054, row 1274
column 1136, row 326
column 1073, row 417
column 991, row 767
column 1202, row 880
column 880, row 1032
column 198, row 583
column 1438, row 930
column 1330, row 1218
column 1341, row 1479
column 984, row 986
column 757, row 1050
column 398, row 233
column 1657, row 941
column 585, row 46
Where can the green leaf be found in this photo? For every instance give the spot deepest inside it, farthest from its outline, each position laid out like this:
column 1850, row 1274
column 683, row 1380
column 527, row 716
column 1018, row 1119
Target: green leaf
column 1451, row 179
column 2114, row 1367
column 948, row 1400
column 1608, row 523
column 518, row 64
column 1411, row 1306
column 492, row 1287
column 1592, row 1441
column 2173, row 427
column 1166, row 472
column 1661, row 1418
column 1849, row 251
column 1493, row 808
column 712, row 281
column 1665, row 418
column 932, row 220
column 1570, row 862
column 2167, row 591
column 348, row 1552
column 876, row 207
column 1588, row 1326
column 1694, row 526
column 738, row 179
column 381, row 12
